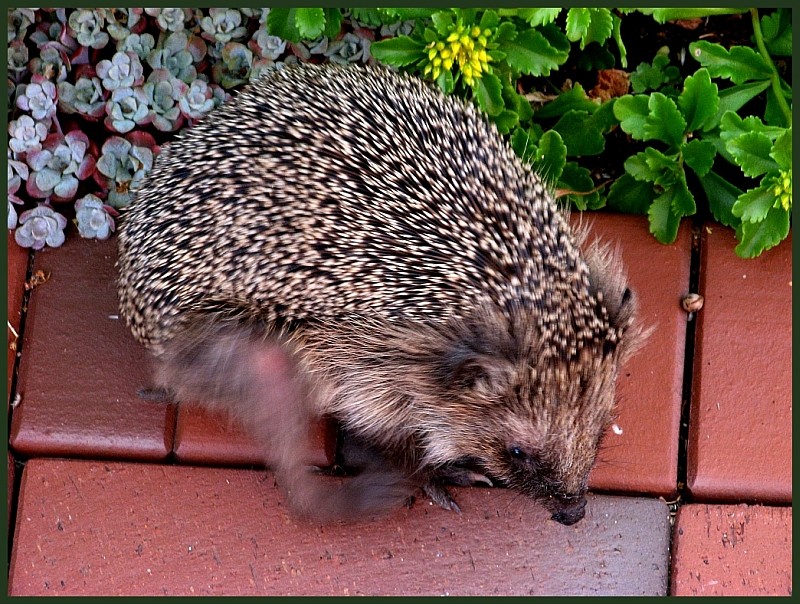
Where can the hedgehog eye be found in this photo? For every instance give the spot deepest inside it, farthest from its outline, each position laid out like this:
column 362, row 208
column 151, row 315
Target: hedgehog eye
column 518, row 453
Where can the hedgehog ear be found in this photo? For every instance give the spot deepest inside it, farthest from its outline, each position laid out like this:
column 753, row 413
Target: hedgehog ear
column 461, row 368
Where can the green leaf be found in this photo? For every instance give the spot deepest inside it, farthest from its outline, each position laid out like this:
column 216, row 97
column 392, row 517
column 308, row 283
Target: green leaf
column 551, row 156
column 524, row 142
column 632, row 112
column 399, row 51
column 538, row 16
column 752, row 153
column 333, row 22
column 579, row 179
column 740, row 64
column 578, row 20
column 281, row 23
column 773, row 114
column 663, row 222
column 531, row 53
column 777, row 31
column 664, row 122
column 760, row 236
column 489, row 20
column 734, row 98
column 630, row 196
column 721, row 196
column 574, row 99
column 617, row 33
column 682, row 200
column 489, row 92
column 782, row 150
column 506, row 32
column 637, row 168
column 309, row 21
column 467, row 15
column 654, row 76
column 407, row 14
column 443, row 22
column 753, row 205
column 699, row 156
column 368, row 16
column 505, row 120
column 732, row 126
column 603, row 119
column 600, row 27
column 699, row 101
column 445, row 82
column 579, row 134
column 653, row 166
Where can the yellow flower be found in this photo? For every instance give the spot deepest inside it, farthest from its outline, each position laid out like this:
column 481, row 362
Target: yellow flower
column 463, row 46
column 783, row 190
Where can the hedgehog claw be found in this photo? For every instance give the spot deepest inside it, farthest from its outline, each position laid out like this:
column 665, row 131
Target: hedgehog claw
column 438, row 494
column 463, row 477
column 156, row 395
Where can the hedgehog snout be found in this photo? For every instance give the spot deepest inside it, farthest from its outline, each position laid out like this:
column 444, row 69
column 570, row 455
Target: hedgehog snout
column 567, row 509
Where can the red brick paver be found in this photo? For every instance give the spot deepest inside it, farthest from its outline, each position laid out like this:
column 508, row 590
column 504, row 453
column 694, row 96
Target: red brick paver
column 81, row 368
column 740, row 445
column 90, row 527
column 111, row 528
column 640, row 452
column 726, row 550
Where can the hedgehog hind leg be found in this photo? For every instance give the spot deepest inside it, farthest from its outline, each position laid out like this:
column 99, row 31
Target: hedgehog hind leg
column 237, row 366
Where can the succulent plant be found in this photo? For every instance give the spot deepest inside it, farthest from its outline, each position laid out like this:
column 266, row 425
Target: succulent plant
column 399, row 28
column 349, row 49
column 85, row 97
column 123, row 164
column 17, row 59
column 86, row 26
column 126, row 109
column 223, row 25
column 25, row 135
column 94, row 218
column 267, row 46
column 141, row 44
column 19, row 20
column 123, row 21
column 163, row 92
column 178, row 53
column 12, row 214
column 17, row 172
column 234, row 66
column 57, row 34
column 40, row 226
column 124, row 70
column 304, row 50
column 58, row 166
column 52, row 64
column 200, row 99
column 170, row 19
column 38, row 97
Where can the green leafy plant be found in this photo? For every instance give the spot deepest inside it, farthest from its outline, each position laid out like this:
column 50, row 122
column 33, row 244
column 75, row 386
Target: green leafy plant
column 718, row 137
column 701, row 125
column 479, row 55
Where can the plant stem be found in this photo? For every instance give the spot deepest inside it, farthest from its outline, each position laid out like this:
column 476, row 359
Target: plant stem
column 774, row 78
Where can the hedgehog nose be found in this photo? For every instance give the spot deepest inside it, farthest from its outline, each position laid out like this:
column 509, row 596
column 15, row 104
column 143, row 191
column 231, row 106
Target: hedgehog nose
column 569, row 510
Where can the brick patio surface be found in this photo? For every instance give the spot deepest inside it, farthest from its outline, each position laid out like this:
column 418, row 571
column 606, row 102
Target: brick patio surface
column 112, row 494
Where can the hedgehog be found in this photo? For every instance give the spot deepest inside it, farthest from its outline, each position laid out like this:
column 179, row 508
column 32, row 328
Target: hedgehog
column 348, row 242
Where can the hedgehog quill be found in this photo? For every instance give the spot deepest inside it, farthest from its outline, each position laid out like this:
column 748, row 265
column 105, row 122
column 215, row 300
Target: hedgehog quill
column 348, row 242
